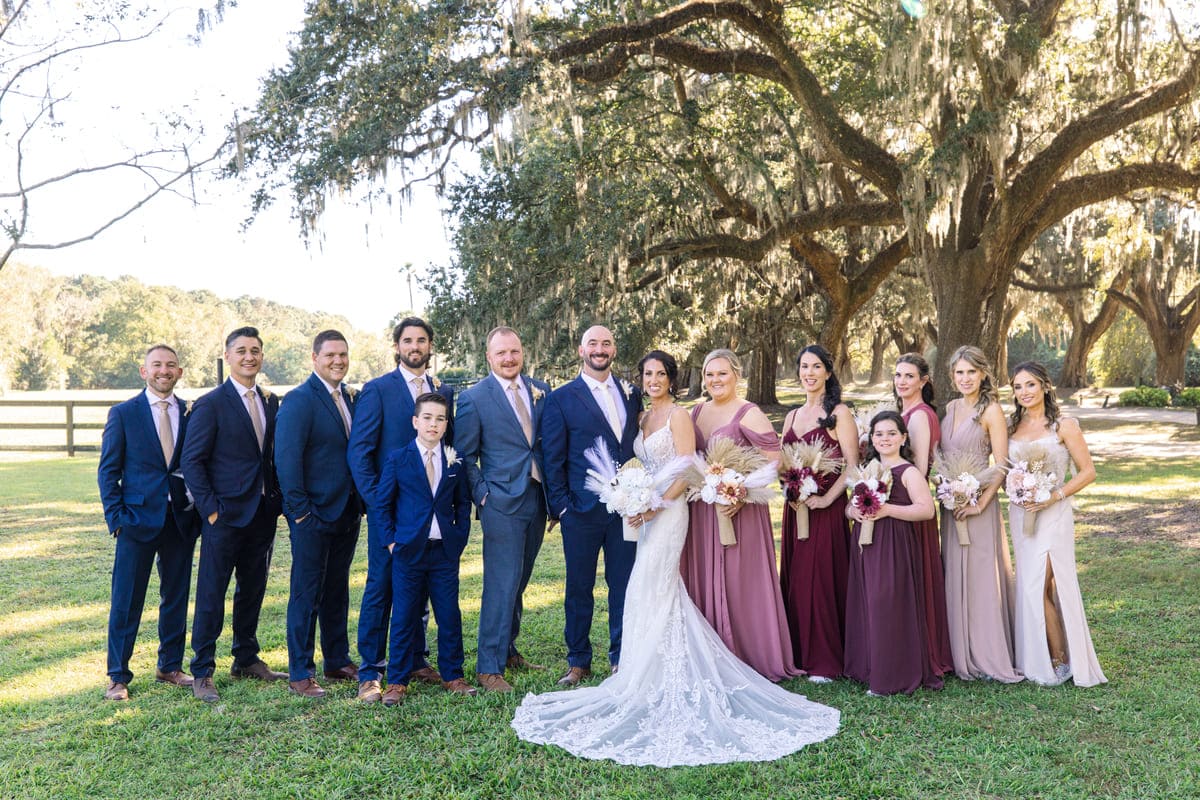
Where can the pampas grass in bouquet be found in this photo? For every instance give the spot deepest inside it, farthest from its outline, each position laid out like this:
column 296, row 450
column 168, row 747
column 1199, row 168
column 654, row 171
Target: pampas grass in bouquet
column 870, row 485
column 727, row 474
column 800, row 464
column 1030, row 480
column 961, row 476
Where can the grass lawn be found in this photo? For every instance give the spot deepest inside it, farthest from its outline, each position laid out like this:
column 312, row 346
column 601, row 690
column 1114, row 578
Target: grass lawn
column 1137, row 737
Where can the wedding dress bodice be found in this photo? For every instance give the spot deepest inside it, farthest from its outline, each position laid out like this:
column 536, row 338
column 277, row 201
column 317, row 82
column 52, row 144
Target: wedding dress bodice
column 656, row 450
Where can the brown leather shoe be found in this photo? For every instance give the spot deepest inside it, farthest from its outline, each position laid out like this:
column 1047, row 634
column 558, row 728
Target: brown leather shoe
column 369, row 691
column 116, row 691
column 459, row 686
column 574, row 675
column 203, row 689
column 493, row 682
column 174, row 677
column 519, row 662
column 394, row 695
column 306, row 688
column 259, row 670
column 426, row 674
column 347, row 673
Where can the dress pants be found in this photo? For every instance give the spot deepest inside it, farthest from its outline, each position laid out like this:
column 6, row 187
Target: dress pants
column 510, row 546
column 584, row 536
column 435, row 576
column 226, row 552
column 320, row 590
column 130, row 577
column 376, row 610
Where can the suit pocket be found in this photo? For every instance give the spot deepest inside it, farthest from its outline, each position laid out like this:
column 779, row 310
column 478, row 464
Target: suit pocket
column 131, row 499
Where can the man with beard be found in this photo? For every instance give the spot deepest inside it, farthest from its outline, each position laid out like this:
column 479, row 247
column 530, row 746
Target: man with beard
column 383, row 422
column 596, row 405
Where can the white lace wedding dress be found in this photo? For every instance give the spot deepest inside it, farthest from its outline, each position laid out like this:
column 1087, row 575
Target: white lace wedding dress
column 680, row 697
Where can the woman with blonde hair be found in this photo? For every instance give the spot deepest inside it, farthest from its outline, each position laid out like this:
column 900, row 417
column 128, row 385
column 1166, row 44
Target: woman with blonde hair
column 735, row 586
column 979, row 575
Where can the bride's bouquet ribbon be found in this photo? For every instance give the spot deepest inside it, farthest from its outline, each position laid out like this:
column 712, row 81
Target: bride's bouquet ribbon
column 728, row 474
column 961, row 476
column 801, row 464
column 629, row 489
column 870, row 485
column 1030, row 480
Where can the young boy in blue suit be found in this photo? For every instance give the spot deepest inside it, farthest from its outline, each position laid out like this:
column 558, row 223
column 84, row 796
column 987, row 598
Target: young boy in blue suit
column 427, row 517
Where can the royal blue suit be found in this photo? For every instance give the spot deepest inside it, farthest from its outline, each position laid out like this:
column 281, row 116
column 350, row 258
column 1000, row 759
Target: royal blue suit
column 324, row 514
column 382, row 424
column 571, row 424
column 230, row 474
column 424, row 567
column 148, row 512
column 512, row 509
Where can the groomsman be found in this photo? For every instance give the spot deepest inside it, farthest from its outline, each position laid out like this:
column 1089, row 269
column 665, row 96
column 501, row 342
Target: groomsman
column 497, row 436
column 228, row 463
column 383, row 422
column 323, row 511
column 148, row 512
column 594, row 405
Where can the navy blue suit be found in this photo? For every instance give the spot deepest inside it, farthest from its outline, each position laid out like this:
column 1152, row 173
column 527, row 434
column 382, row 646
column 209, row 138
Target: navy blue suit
column 324, row 514
column 424, row 567
column 382, row 424
column 499, row 459
column 135, row 483
column 228, row 473
column 571, row 424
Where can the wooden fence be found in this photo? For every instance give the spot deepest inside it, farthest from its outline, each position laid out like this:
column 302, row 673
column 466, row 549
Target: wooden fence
column 70, row 425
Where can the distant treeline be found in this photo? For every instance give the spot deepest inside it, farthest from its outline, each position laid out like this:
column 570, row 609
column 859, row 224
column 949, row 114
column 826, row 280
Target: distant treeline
column 88, row 332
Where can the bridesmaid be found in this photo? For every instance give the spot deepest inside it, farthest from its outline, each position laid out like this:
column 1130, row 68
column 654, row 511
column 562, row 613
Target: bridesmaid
column 886, row 644
column 735, row 587
column 813, row 572
column 914, row 397
column 979, row 577
column 1053, row 641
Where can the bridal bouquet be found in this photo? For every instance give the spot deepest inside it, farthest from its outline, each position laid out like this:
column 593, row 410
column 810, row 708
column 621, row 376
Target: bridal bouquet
column 870, row 484
column 728, row 474
column 800, row 465
column 630, row 489
column 960, row 477
column 1030, row 480
column 862, row 421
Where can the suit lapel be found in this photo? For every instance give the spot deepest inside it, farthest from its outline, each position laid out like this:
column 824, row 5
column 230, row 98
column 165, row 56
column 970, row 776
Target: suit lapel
column 237, row 405
column 324, row 398
column 183, row 418
column 150, row 429
column 500, row 398
column 588, row 400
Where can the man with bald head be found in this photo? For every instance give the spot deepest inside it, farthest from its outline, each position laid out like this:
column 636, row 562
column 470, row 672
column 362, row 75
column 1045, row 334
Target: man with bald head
column 596, row 405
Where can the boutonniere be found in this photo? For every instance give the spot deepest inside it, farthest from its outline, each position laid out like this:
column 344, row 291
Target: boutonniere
column 626, row 387
column 187, row 407
column 352, row 393
column 451, row 456
column 537, row 393
column 266, row 394
column 437, row 384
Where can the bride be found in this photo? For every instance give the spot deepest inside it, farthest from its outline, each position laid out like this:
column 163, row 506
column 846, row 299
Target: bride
column 680, row 697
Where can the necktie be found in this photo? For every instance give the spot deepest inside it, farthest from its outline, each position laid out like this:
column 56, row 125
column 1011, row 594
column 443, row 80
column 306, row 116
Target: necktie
column 430, row 474
column 526, row 424
column 341, row 409
column 165, row 437
column 417, row 388
column 255, row 420
column 610, row 409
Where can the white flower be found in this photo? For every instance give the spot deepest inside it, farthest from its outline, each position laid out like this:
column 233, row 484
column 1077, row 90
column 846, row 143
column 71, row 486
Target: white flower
column 451, row 455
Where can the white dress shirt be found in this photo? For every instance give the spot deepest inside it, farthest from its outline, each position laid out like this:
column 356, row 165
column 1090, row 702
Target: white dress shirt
column 435, row 532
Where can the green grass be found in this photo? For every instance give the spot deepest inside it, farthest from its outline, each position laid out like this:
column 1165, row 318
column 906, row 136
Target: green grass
column 1135, row 738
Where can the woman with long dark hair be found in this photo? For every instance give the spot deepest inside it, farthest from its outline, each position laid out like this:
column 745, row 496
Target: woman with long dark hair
column 813, row 571
column 914, row 397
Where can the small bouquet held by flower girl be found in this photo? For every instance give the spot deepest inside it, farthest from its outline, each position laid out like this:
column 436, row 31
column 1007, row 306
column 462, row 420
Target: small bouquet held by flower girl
column 800, row 465
column 630, row 489
column 960, row 477
column 870, row 485
column 1030, row 481
column 728, row 474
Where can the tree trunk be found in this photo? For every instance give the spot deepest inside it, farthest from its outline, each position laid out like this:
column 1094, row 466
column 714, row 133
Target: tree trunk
column 760, row 377
column 1085, row 334
column 1170, row 356
column 879, row 343
column 969, row 311
column 695, row 383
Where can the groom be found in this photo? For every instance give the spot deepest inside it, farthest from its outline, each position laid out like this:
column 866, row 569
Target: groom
column 594, row 405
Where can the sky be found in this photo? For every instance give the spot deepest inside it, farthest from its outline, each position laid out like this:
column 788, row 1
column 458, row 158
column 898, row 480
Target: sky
column 353, row 267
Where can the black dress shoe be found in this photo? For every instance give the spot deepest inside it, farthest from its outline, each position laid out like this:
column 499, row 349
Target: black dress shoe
column 259, row 670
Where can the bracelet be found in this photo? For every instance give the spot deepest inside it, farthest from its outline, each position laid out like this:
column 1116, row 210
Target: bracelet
column 1062, row 495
